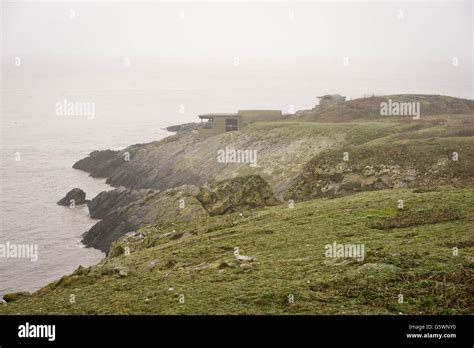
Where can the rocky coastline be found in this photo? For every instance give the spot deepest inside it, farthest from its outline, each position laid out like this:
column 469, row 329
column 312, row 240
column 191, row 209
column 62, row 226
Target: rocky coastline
column 296, row 161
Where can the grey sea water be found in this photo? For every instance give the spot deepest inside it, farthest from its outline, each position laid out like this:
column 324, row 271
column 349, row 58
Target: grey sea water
column 37, row 154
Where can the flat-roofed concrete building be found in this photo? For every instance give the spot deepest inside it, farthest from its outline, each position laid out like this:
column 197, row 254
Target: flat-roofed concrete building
column 226, row 122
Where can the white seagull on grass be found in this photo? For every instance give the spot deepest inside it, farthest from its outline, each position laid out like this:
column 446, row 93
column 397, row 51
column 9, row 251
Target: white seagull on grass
column 242, row 257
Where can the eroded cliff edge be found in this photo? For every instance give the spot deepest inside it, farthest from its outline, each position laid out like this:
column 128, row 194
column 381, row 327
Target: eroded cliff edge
column 299, row 159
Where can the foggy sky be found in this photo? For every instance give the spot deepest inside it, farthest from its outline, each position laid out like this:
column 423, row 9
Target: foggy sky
column 429, row 31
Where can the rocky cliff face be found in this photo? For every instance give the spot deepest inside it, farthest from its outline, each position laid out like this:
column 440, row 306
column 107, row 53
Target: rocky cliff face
column 153, row 208
column 108, row 201
column 282, row 149
column 236, row 194
column 298, row 160
column 178, row 205
column 386, row 165
column 100, row 164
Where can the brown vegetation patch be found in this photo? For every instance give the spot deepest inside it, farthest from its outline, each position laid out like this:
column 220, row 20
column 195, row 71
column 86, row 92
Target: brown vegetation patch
column 406, row 218
column 460, row 244
column 428, row 293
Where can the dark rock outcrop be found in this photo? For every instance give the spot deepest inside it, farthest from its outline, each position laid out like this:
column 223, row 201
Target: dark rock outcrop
column 386, row 165
column 174, row 205
column 107, row 201
column 236, row 194
column 76, row 194
column 100, row 164
column 180, row 204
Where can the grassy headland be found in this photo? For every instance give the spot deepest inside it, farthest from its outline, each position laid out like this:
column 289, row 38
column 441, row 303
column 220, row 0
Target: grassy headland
column 415, row 260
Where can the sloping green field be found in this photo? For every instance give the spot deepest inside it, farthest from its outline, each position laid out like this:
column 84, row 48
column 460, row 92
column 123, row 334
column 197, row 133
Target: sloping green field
column 410, row 265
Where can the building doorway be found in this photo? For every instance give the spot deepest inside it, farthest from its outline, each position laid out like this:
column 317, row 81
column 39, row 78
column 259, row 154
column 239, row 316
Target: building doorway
column 231, row 124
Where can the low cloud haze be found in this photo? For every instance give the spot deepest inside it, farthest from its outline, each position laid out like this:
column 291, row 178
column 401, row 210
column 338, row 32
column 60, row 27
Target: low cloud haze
column 317, row 30
column 355, row 48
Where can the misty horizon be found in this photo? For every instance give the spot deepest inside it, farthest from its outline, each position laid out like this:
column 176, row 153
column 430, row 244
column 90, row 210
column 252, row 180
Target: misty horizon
column 356, row 49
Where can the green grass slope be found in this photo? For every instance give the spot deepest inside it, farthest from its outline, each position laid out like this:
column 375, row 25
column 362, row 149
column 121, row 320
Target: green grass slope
column 369, row 108
column 193, row 271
